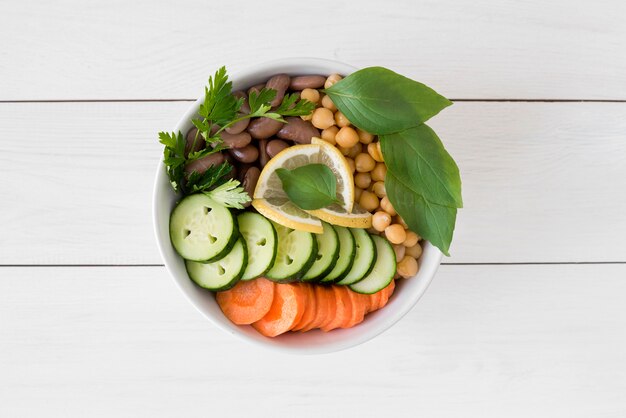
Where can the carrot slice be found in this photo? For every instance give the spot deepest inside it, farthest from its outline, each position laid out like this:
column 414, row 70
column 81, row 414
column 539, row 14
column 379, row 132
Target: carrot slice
column 387, row 292
column 248, row 301
column 286, row 310
column 329, row 297
column 374, row 301
column 343, row 310
column 321, row 308
column 358, row 304
column 309, row 307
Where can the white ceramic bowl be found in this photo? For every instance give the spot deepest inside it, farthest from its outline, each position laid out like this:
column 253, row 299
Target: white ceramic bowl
column 404, row 298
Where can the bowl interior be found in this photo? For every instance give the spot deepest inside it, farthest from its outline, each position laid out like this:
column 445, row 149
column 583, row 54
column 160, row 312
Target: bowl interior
column 408, row 291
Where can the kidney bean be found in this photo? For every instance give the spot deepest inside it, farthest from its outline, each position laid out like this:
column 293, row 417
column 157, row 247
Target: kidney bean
column 191, row 140
column 201, row 165
column 280, row 83
column 245, row 107
column 242, row 169
column 263, row 157
column 250, row 180
column 239, row 140
column 298, row 130
column 262, row 128
column 257, row 88
column 275, row 146
column 238, row 127
column 247, row 154
column 302, row 82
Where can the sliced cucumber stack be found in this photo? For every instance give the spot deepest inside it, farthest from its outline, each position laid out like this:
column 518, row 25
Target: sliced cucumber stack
column 202, row 229
column 327, row 254
column 261, row 241
column 296, row 253
column 364, row 258
column 347, row 251
column 223, row 273
column 383, row 271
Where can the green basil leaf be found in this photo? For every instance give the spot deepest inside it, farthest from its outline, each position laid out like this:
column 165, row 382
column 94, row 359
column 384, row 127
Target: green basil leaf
column 311, row 186
column 417, row 157
column 381, row 101
column 433, row 222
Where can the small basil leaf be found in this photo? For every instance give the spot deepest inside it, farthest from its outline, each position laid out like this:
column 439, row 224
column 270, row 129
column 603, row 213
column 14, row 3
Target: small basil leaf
column 381, row 101
column 417, row 157
column 311, row 186
column 433, row 222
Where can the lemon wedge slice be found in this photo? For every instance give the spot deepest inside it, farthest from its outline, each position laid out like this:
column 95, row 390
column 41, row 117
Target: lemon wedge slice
column 336, row 215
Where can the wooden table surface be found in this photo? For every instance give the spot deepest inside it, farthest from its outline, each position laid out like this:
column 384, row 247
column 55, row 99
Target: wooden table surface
column 527, row 318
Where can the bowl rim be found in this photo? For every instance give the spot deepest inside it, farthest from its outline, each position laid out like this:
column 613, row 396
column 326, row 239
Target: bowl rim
column 426, row 271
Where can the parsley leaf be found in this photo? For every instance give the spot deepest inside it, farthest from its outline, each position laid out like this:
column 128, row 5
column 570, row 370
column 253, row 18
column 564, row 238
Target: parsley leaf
column 212, row 176
column 174, row 157
column 289, row 107
column 230, row 194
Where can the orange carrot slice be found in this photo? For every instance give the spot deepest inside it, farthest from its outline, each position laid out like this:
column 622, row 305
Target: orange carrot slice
column 358, row 305
column 286, row 310
column 374, row 301
column 328, row 295
column 343, row 310
column 387, row 292
column 309, row 307
column 248, row 301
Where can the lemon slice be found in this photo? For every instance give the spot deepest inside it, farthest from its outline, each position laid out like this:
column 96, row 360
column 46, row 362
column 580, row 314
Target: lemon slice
column 284, row 212
column 336, row 215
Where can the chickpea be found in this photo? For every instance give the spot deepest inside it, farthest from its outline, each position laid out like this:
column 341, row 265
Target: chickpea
column 342, row 121
column 411, row 239
column 379, row 189
column 379, row 172
column 307, row 117
column 365, row 137
column 369, row 201
column 385, row 205
column 311, row 95
column 364, row 163
column 374, row 150
column 347, row 137
column 357, row 193
column 328, row 134
column 350, row 162
column 414, row 251
column 407, row 267
column 362, row 180
column 395, row 234
column 327, row 102
column 381, row 220
column 400, row 250
column 400, row 221
column 323, row 118
column 331, row 80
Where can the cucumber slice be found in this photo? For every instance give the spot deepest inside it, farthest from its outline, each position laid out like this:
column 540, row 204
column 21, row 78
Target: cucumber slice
column 202, row 229
column 295, row 255
column 364, row 258
column 347, row 251
column 327, row 254
column 261, row 241
column 384, row 269
column 223, row 273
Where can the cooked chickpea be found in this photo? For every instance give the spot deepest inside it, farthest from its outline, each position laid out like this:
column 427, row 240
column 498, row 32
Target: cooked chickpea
column 381, row 220
column 379, row 189
column 414, row 251
column 385, row 205
column 342, row 121
column 364, row 163
column 350, row 162
column 347, row 137
column 311, row 95
column 331, row 80
column 407, row 267
column 365, row 137
column 357, row 193
column 374, row 150
column 368, row 201
column 379, row 172
column 399, row 249
column 328, row 134
column 307, row 117
column 327, row 102
column 362, row 180
column 323, row 118
column 398, row 219
column 395, row 234
column 411, row 239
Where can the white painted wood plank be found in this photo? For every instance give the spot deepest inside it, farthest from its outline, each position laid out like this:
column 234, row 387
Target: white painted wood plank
column 542, row 181
column 154, row 49
column 485, row 341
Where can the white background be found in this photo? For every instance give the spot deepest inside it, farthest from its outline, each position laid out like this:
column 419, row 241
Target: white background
column 528, row 316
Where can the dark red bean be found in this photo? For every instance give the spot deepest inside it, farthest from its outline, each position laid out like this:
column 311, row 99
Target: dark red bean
column 197, row 143
column 263, row 157
column 250, row 180
column 280, row 83
column 243, row 168
column 275, row 146
column 302, row 82
column 239, row 140
column 245, row 107
column 298, row 130
column 238, row 127
column 257, row 88
column 202, row 164
column 247, row 154
column 262, row 128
